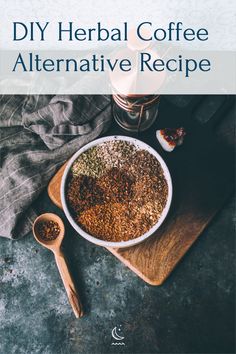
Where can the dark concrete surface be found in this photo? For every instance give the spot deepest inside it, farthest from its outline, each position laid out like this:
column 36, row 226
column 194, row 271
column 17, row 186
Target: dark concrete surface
column 193, row 312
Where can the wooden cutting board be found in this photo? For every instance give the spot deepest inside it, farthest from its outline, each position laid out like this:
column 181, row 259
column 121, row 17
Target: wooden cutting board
column 202, row 180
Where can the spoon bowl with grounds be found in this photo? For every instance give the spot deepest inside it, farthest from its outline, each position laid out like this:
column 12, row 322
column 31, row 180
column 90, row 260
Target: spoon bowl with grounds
column 49, row 231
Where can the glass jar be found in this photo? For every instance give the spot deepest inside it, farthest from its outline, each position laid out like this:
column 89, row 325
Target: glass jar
column 135, row 113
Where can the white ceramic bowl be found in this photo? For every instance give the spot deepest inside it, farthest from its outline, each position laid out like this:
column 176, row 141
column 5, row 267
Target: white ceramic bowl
column 122, row 244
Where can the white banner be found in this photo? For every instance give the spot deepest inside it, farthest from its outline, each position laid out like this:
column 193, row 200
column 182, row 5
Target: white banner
column 130, row 47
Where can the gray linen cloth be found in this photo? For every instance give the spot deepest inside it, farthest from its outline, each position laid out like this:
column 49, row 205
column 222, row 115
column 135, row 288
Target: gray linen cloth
column 37, row 134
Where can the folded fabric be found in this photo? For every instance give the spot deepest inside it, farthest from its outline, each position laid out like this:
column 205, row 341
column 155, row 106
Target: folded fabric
column 37, row 134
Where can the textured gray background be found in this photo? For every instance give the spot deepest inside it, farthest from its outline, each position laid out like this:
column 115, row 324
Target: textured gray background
column 193, row 312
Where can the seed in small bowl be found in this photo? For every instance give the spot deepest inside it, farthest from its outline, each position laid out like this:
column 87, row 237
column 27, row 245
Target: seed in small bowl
column 48, row 230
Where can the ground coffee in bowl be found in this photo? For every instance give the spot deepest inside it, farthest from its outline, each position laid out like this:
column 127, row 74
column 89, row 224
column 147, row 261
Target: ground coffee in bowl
column 116, row 191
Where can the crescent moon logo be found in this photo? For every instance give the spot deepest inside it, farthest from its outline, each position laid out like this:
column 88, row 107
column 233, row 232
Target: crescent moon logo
column 115, row 335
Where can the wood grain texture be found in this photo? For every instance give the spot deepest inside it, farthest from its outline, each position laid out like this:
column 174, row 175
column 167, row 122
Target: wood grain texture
column 54, row 187
column 71, row 291
column 202, row 180
column 55, row 247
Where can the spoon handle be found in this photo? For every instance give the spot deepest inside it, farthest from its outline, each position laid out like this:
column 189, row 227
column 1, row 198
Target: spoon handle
column 69, row 285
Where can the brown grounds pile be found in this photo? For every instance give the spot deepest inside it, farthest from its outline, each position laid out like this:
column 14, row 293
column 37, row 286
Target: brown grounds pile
column 124, row 198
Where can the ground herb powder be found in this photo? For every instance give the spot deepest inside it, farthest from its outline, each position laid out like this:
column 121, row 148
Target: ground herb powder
column 117, row 191
column 48, row 230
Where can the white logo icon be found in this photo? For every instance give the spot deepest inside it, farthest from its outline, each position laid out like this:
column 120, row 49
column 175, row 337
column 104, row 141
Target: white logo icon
column 116, row 335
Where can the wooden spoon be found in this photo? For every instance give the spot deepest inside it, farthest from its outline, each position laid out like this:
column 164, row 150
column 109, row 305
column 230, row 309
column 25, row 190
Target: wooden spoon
column 55, row 247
